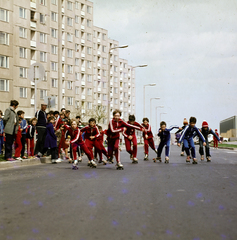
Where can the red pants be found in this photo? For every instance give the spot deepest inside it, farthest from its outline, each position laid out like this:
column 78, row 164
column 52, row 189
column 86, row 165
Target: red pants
column 128, row 144
column 83, row 147
column 113, row 146
column 30, row 146
column 148, row 142
column 215, row 143
column 90, row 144
column 100, row 149
column 18, row 147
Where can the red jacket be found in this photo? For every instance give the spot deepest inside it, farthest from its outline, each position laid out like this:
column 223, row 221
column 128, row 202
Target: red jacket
column 58, row 122
column 75, row 134
column 101, row 136
column 116, row 127
column 148, row 131
column 90, row 132
column 128, row 131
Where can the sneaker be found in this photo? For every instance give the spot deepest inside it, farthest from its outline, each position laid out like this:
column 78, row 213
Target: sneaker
column 19, row 158
column 75, row 162
column 182, row 154
column 59, row 160
column 54, row 161
column 11, row 159
column 24, row 157
column 131, row 156
column 202, row 157
column 119, row 165
column 188, row 159
column 93, row 163
column 79, row 159
column 104, row 161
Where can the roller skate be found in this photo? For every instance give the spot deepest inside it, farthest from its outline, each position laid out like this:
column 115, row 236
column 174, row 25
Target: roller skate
column 104, row 162
column 135, row 160
column 79, row 159
column 166, row 159
column 208, row 159
column 188, row 159
column 157, row 159
column 131, row 156
column 70, row 160
column 110, row 160
column 93, row 164
column 74, row 166
column 119, row 166
column 195, row 161
column 89, row 163
column 182, row 154
column 54, row 161
column 202, row 157
column 146, row 157
column 75, row 162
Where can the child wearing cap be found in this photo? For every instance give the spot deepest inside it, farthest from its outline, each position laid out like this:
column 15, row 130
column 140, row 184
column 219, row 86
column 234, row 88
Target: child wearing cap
column 215, row 139
column 205, row 130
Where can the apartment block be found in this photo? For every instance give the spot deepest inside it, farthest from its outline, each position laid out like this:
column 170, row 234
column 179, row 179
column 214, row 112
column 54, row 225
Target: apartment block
column 83, row 70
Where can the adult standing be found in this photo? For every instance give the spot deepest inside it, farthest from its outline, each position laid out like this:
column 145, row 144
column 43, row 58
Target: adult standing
column 41, row 128
column 10, row 121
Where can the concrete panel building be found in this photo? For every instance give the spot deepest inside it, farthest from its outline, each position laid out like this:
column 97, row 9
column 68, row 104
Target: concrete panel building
column 81, row 71
column 228, row 128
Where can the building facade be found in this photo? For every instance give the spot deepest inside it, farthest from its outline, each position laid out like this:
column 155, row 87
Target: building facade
column 228, row 128
column 82, row 72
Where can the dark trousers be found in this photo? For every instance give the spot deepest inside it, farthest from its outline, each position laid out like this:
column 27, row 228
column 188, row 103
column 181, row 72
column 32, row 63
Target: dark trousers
column 41, row 139
column 1, row 143
column 8, row 145
column 52, row 151
column 160, row 148
column 201, row 151
column 23, row 143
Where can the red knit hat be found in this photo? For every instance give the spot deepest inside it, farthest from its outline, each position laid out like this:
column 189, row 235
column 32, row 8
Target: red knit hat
column 204, row 123
column 185, row 121
column 215, row 130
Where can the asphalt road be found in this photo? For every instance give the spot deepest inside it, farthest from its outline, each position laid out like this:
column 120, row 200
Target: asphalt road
column 144, row 201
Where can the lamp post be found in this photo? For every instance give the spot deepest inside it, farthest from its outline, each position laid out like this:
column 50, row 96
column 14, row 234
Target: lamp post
column 157, row 98
column 156, row 115
column 144, row 88
column 108, row 113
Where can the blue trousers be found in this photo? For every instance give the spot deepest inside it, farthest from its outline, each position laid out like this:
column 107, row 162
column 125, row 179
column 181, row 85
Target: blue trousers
column 189, row 144
column 167, row 148
column 1, row 143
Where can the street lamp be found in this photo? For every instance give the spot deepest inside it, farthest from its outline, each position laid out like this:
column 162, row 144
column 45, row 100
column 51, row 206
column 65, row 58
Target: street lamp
column 123, row 46
column 157, row 98
column 144, row 88
column 156, row 115
column 161, row 114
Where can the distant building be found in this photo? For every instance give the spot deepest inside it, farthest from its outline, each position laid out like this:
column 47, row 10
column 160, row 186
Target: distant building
column 61, row 35
column 228, row 127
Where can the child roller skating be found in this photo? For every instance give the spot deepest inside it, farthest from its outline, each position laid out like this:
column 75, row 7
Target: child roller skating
column 164, row 134
column 187, row 138
column 148, row 138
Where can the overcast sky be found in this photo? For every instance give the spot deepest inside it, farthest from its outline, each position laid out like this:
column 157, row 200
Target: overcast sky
column 191, row 51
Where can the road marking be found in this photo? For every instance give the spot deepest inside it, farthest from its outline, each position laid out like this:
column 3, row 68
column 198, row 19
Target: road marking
column 180, row 190
column 231, row 152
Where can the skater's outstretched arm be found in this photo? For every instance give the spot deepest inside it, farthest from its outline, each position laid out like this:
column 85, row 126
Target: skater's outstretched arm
column 214, row 134
column 183, row 134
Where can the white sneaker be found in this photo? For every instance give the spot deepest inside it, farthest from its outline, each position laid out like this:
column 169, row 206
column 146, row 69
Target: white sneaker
column 119, row 164
column 19, row 158
column 75, row 162
column 93, row 163
column 59, row 160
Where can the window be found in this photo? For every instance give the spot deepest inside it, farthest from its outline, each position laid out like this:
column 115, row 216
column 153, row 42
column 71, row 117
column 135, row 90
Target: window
column 89, row 105
column 115, row 90
column 77, row 76
column 104, row 60
column 53, row 66
column 22, row 12
column 89, row 78
column 4, row 16
column 54, row 32
column 89, row 64
column 104, row 36
column 125, row 104
column 23, row 92
column 88, row 50
column 22, row 32
column 70, row 101
column 104, row 73
column 103, row 48
column 69, row 53
column 54, row 49
column 77, row 5
column 116, row 101
column 77, row 47
column 54, row 2
column 54, row 16
column 88, row 9
column 88, row 36
column 22, row 52
column 88, row 23
column 69, row 85
column 69, row 5
column 69, row 21
column 104, row 85
column 42, row 18
column 43, row 94
column 115, row 58
column 77, row 90
column 115, row 68
column 54, row 82
column 4, row 85
column 77, row 33
column 43, row 2
column 69, row 37
column 125, row 85
column 115, row 79
column 43, row 57
column 43, row 38
column 89, row 91
column 4, row 38
column 23, row 72
column 76, row 19
column 77, row 60
column 69, row 69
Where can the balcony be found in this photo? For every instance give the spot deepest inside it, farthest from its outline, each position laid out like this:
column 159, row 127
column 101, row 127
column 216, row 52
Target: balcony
column 121, row 88
column 111, row 83
column 33, row 43
column 82, row 41
column 99, row 89
column 63, row 75
column 63, row 42
column 32, row 24
column 99, row 65
column 82, row 27
column 83, row 55
column 63, row 91
column 32, row 62
column 98, row 52
column 121, row 69
column 83, row 97
column 111, row 72
column 32, row 5
column 83, row 14
column 63, row 26
column 129, row 84
column 129, row 93
column 32, row 101
column 121, row 98
column 83, row 69
column 83, row 111
column 98, row 40
column 63, row 10
column 111, row 61
column 63, row 58
column 111, row 94
column 32, row 84
column 83, row 83
column 121, row 78
column 99, row 101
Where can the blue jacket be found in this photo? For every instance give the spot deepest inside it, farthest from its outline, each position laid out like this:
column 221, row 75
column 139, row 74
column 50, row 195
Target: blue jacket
column 23, row 125
column 205, row 133
column 165, row 135
column 190, row 132
column 1, row 126
column 50, row 139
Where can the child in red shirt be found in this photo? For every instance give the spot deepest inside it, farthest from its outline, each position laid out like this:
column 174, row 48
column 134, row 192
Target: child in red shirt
column 215, row 139
column 30, row 133
column 18, row 145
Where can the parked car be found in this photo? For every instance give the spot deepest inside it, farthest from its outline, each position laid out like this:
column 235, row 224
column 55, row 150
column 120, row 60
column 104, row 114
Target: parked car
column 224, row 139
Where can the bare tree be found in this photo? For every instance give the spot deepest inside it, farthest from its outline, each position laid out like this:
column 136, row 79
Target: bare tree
column 99, row 113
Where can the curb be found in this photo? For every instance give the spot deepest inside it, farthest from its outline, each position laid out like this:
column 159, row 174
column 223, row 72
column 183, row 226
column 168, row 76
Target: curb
column 229, row 148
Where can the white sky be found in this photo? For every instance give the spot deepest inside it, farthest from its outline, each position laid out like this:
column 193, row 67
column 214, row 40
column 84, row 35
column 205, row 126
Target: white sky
column 190, row 47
